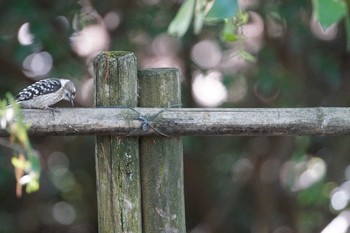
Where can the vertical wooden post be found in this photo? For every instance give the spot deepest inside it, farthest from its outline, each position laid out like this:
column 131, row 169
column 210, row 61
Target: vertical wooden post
column 117, row 159
column 163, row 208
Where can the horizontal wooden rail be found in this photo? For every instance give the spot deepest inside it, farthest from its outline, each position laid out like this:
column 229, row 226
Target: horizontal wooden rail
column 189, row 121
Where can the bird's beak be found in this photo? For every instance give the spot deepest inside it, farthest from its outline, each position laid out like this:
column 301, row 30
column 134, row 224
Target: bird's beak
column 71, row 101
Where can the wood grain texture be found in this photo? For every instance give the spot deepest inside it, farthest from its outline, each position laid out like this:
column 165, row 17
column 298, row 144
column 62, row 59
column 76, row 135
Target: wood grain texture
column 163, row 205
column 117, row 159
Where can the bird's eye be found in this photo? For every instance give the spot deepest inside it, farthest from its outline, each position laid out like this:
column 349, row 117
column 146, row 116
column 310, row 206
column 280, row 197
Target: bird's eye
column 69, row 95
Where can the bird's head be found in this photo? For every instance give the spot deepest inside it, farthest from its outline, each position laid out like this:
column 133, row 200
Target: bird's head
column 69, row 90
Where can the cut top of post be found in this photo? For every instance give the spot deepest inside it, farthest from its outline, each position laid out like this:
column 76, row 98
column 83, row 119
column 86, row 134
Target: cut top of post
column 117, row 82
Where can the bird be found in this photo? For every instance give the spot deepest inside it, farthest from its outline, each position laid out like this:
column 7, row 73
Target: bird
column 45, row 93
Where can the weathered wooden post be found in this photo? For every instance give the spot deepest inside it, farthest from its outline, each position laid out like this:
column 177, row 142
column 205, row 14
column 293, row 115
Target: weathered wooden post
column 117, row 159
column 163, row 208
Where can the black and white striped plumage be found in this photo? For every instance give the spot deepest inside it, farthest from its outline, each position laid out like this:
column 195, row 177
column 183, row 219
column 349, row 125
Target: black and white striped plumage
column 45, row 93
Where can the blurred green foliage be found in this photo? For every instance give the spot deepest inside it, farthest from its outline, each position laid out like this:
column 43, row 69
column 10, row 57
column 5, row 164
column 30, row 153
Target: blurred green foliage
column 233, row 184
column 25, row 160
column 329, row 12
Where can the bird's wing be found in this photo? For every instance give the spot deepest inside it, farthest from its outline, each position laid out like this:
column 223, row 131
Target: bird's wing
column 41, row 87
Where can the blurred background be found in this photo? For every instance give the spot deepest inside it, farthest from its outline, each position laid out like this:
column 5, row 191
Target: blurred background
column 232, row 184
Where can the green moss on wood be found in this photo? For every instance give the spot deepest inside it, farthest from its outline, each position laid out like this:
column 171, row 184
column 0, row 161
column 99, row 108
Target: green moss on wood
column 117, row 159
column 161, row 157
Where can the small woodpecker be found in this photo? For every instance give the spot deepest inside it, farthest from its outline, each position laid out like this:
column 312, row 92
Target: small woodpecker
column 46, row 92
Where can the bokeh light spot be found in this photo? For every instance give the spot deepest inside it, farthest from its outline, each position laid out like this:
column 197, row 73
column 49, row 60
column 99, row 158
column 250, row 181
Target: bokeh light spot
column 24, row 36
column 37, row 64
column 208, row 90
column 165, row 45
column 112, row 20
column 57, row 161
column 339, row 224
column 62, row 178
column 316, row 169
column 303, row 174
column 64, row 213
column 90, row 40
column 339, row 199
column 242, row 170
column 206, row 54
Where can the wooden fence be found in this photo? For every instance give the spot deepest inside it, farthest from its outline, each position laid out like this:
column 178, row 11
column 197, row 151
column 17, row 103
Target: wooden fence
column 138, row 126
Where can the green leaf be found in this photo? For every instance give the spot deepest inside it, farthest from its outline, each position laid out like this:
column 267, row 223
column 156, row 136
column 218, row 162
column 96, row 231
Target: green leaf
column 199, row 15
column 180, row 24
column 329, row 12
column 222, row 9
column 33, row 186
column 229, row 36
column 247, row 56
column 229, row 33
column 20, row 163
